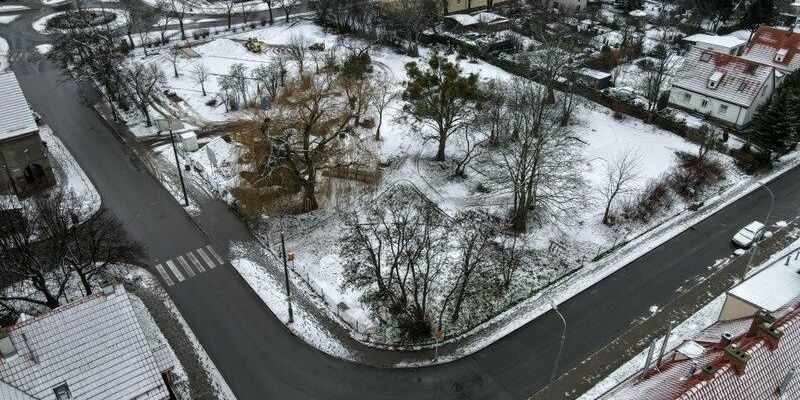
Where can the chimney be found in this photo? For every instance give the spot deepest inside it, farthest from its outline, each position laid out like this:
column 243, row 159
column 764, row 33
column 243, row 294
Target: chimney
column 709, row 370
column 759, row 318
column 7, row 348
column 727, row 338
column 771, row 333
column 737, row 357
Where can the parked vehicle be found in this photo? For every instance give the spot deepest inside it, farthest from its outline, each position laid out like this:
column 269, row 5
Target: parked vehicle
column 254, row 45
column 749, row 235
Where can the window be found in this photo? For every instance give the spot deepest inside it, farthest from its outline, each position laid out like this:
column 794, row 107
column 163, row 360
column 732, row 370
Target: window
column 723, row 109
column 743, row 87
column 705, row 56
column 62, row 392
column 687, row 97
column 704, row 103
column 750, row 69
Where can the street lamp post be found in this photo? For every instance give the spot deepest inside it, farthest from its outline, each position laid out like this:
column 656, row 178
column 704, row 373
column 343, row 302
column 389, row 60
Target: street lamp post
column 286, row 276
column 169, row 125
column 766, row 224
column 560, row 348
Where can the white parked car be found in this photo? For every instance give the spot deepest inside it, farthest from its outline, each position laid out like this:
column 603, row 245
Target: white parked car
column 749, row 235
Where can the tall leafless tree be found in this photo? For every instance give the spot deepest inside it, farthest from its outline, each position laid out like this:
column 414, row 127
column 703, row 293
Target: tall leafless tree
column 143, row 82
column 622, row 173
column 200, row 75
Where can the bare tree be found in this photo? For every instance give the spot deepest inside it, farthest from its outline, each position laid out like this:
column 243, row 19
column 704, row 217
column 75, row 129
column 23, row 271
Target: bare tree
column 164, row 22
column 492, row 115
column 200, row 75
column 288, row 146
column 96, row 244
column 228, row 7
column 655, row 77
column 143, row 82
column 472, row 142
column 270, row 5
column 288, row 6
column 134, row 10
column 410, row 18
column 396, row 253
column 174, row 54
column 622, row 172
column 538, row 159
column 31, row 246
column 268, row 78
column 472, row 233
column 176, row 9
column 385, row 96
column 298, row 50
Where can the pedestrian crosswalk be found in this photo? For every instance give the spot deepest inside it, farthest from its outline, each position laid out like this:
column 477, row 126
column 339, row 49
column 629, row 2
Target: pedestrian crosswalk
column 189, row 265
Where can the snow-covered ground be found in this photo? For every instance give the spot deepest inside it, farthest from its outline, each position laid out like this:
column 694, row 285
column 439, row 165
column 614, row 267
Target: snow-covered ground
column 7, row 19
column 70, row 177
column 313, row 237
column 4, row 50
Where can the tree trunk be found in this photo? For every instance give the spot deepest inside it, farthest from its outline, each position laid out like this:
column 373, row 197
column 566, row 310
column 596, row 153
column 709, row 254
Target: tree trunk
column 309, row 197
column 146, row 113
column 183, row 32
column 519, row 220
column 442, row 143
column 130, row 38
column 378, row 130
column 271, row 19
column 286, row 11
column 203, row 88
column 459, row 299
column 87, row 286
column 229, row 20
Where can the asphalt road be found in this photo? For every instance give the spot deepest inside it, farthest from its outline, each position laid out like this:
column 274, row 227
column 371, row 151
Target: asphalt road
column 261, row 359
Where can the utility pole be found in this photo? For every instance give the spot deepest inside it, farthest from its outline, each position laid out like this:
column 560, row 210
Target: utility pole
column 286, row 276
column 560, row 348
column 169, row 125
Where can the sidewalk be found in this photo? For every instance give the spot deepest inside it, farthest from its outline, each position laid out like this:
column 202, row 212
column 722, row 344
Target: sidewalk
column 573, row 383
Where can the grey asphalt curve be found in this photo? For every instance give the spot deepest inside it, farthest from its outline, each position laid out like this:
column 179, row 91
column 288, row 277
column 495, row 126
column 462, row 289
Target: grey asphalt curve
column 261, row 359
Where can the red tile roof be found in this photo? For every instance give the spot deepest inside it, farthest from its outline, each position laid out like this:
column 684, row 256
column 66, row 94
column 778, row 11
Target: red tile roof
column 759, row 380
column 741, row 80
column 768, row 41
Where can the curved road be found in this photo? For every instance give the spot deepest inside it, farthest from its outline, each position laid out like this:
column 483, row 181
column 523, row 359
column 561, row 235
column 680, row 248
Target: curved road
column 260, row 358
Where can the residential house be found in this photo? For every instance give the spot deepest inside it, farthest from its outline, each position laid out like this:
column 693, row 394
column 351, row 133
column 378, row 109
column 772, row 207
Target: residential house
column 728, row 44
column 462, row 6
column 566, row 5
column 92, row 348
column 751, row 352
column 23, row 156
column 722, row 86
column 777, row 47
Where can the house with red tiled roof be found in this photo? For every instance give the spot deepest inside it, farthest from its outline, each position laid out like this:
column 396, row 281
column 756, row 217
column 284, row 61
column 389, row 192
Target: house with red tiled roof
column 777, row 47
column 722, row 86
column 751, row 352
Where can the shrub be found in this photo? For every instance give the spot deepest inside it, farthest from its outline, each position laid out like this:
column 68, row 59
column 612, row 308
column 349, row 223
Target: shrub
column 211, row 103
column 749, row 160
column 693, row 173
column 652, row 199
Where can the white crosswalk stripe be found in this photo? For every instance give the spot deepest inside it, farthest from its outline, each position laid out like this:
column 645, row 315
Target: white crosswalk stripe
column 175, row 270
column 164, row 275
column 189, row 265
column 186, row 266
column 215, row 254
column 205, row 258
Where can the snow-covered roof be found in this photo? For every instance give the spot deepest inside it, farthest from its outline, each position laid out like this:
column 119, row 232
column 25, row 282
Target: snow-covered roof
column 727, row 41
column 95, row 345
column 768, row 41
column 740, row 80
column 8, row 392
column 594, row 73
column 771, row 287
column 686, row 378
column 489, row 17
column 464, row 19
column 637, row 13
column 16, row 117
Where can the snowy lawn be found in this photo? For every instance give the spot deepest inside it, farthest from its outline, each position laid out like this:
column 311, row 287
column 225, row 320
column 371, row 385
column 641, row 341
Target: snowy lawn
column 4, row 49
column 314, row 237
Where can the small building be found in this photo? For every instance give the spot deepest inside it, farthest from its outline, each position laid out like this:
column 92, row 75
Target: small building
column 721, row 44
column 92, row 348
column 721, row 86
column 777, row 47
column 463, row 6
column 567, row 6
column 593, row 79
column 480, row 22
column 23, row 156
